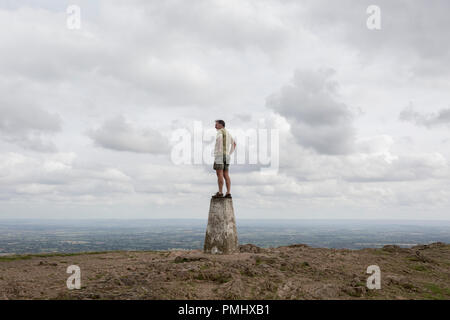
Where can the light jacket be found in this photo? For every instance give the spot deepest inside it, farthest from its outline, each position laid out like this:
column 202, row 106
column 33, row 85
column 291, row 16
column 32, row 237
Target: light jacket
column 224, row 146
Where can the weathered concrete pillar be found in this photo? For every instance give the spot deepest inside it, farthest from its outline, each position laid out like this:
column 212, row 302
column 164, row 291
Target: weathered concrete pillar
column 221, row 234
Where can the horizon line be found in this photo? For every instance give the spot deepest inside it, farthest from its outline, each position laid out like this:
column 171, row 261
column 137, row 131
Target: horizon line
column 315, row 219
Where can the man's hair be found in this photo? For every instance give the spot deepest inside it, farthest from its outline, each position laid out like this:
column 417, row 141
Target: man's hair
column 221, row 122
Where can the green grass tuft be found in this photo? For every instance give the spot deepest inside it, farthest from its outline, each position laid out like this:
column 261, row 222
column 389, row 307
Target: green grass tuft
column 51, row 254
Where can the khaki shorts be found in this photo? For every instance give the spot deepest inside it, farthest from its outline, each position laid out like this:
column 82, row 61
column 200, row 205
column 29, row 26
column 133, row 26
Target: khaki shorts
column 221, row 166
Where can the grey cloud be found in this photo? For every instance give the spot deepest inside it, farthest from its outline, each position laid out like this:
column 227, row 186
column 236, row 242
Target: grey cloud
column 118, row 134
column 410, row 30
column 311, row 106
column 143, row 56
column 376, row 164
column 411, row 167
column 58, row 176
column 22, row 119
column 92, row 58
column 28, row 126
column 442, row 117
column 242, row 117
column 221, row 24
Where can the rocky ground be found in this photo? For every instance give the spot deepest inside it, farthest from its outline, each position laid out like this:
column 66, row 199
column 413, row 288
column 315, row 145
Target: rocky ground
column 288, row 272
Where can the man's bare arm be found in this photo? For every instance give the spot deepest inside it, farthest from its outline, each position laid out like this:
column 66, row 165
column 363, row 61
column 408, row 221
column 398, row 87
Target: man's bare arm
column 234, row 147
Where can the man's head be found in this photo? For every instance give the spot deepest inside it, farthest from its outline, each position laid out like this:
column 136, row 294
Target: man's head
column 220, row 124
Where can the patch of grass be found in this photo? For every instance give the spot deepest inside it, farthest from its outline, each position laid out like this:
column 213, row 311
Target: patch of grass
column 220, row 278
column 408, row 286
column 380, row 252
column 428, row 296
column 437, row 292
column 372, row 293
column 99, row 276
column 55, row 254
column 181, row 260
column 418, row 267
column 147, row 251
column 15, row 257
column 270, row 296
column 63, row 296
column 246, row 273
column 305, row 265
column 355, row 291
column 200, row 276
column 413, row 259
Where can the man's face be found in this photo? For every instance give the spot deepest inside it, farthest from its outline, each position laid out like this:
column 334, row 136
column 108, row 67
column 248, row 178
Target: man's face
column 218, row 126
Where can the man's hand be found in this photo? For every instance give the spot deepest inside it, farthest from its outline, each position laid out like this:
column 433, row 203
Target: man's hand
column 234, row 147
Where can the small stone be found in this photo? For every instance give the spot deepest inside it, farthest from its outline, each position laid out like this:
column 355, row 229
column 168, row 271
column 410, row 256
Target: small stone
column 250, row 248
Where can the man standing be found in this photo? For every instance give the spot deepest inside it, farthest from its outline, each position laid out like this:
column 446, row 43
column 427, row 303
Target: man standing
column 225, row 146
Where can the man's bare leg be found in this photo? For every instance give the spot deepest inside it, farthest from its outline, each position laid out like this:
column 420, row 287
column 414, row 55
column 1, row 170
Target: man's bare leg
column 227, row 181
column 220, row 179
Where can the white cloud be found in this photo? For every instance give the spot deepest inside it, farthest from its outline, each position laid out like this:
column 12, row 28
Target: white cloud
column 28, row 125
column 318, row 119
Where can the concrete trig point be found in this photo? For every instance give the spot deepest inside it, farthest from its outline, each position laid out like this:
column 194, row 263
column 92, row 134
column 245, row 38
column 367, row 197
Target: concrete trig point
column 221, row 234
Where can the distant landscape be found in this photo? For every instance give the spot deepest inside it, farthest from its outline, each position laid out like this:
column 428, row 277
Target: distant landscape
column 37, row 236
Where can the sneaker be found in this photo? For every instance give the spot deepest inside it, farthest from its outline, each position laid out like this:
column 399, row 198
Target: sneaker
column 218, row 195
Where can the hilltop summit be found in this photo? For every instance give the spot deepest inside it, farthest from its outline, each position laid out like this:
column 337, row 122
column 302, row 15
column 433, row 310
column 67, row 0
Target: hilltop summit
column 289, row 272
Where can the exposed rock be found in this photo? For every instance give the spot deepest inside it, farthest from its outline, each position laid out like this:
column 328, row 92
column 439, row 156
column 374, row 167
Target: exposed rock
column 250, row 248
column 355, row 291
column 420, row 257
column 233, row 289
column 394, row 248
column 326, row 291
column 398, row 280
column 181, row 259
column 298, row 245
column 429, row 246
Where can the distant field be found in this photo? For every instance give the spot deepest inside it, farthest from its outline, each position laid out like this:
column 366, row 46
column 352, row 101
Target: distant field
column 37, row 236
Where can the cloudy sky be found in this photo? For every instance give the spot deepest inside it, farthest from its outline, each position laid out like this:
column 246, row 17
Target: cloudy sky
column 87, row 115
